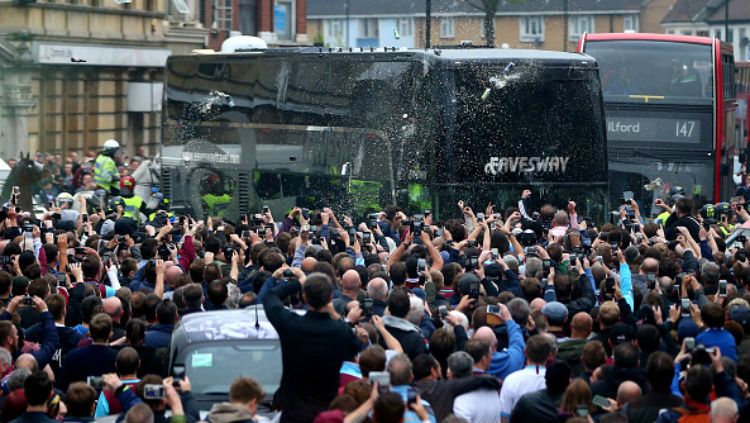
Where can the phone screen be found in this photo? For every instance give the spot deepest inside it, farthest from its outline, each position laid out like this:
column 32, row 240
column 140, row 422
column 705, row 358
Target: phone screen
column 610, row 285
column 685, row 305
column 178, row 372
column 411, row 396
column 689, row 344
column 601, row 401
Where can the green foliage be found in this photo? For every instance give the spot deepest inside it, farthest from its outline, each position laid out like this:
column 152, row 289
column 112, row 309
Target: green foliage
column 318, row 39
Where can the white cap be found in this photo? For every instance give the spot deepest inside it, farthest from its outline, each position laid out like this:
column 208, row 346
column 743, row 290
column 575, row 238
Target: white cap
column 111, row 144
column 232, row 44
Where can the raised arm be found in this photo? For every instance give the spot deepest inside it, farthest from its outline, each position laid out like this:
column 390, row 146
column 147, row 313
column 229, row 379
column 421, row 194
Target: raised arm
column 437, row 259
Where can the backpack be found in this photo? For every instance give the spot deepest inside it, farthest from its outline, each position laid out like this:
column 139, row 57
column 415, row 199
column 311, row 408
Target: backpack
column 688, row 416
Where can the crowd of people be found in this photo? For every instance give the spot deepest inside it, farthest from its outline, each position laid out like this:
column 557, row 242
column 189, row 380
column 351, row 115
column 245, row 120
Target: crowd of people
column 484, row 317
column 75, row 174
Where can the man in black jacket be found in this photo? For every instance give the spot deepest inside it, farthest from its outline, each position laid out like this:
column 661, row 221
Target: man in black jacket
column 659, row 372
column 408, row 334
column 313, row 346
column 681, row 217
column 625, row 368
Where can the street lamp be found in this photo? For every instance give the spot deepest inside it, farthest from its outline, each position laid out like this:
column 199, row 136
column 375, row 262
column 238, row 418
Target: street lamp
column 565, row 25
column 347, row 23
column 726, row 21
column 428, row 23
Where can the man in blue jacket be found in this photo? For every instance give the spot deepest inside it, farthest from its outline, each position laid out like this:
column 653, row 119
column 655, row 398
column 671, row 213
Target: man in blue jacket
column 50, row 341
column 715, row 335
column 510, row 359
column 93, row 360
column 160, row 334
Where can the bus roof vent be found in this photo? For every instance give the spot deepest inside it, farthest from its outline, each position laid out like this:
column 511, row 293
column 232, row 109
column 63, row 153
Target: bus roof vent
column 243, row 43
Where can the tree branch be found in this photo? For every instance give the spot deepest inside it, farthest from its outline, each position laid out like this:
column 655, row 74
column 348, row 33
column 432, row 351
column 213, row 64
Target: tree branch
column 475, row 6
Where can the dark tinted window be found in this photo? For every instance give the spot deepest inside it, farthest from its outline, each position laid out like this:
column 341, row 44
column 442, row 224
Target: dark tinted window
column 536, row 125
column 727, row 63
column 654, row 71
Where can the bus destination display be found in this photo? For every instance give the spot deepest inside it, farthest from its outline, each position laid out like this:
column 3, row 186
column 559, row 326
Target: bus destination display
column 654, row 130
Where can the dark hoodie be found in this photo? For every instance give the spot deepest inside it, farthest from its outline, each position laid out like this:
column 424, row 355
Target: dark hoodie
column 408, row 335
column 614, row 376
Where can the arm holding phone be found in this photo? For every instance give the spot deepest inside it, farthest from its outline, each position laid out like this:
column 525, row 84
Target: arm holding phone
column 390, row 341
column 549, row 289
column 626, row 284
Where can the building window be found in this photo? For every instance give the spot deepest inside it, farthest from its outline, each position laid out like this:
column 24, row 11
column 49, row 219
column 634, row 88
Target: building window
column 447, row 27
column 406, row 27
column 700, row 33
column 630, row 23
column 743, row 44
column 532, row 29
column 718, row 33
column 283, row 19
column 580, row 24
column 368, row 28
column 248, row 12
column 483, row 30
column 335, row 29
column 222, row 14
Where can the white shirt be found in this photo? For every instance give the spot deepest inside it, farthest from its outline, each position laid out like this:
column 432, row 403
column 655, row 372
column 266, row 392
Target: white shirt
column 518, row 383
column 481, row 406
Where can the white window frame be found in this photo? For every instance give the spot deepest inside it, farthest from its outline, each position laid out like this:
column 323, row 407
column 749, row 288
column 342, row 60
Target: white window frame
column 447, row 27
column 531, row 22
column 368, row 28
column 630, row 23
column 222, row 16
column 405, row 27
column 576, row 27
column 481, row 26
column 332, row 32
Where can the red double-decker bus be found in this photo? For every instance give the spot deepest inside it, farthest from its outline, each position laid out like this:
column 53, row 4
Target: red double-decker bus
column 670, row 104
column 742, row 78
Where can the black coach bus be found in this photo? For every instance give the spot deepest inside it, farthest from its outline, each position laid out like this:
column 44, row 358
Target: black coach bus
column 360, row 130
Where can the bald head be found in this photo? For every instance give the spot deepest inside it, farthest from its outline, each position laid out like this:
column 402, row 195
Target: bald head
column 627, row 392
column 350, row 281
column 27, row 361
column 724, row 410
column 581, row 325
column 377, row 289
column 537, row 304
column 649, row 265
column 308, row 265
column 112, row 307
column 486, row 335
column 172, row 275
